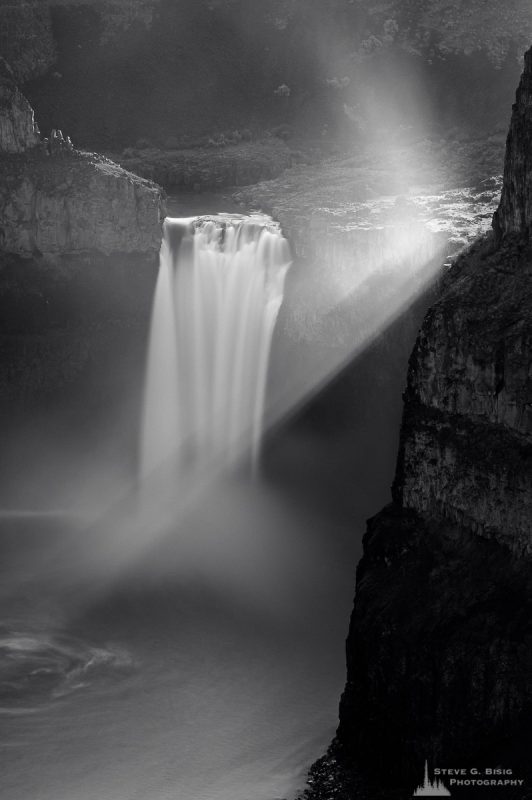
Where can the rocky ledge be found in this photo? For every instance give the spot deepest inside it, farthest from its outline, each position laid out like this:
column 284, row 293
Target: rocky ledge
column 56, row 201
column 209, row 168
column 76, row 202
column 18, row 131
column 79, row 241
column 439, row 651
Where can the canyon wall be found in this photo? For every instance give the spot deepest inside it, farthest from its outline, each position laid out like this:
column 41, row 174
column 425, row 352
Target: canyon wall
column 58, row 201
column 467, row 425
column 17, row 125
column 436, row 27
column 204, row 66
column 514, row 214
column 79, row 242
column 73, row 203
column 439, row 651
column 27, row 36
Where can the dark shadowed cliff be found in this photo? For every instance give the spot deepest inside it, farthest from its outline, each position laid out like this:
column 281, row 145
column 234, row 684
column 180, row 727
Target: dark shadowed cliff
column 79, row 241
column 439, row 652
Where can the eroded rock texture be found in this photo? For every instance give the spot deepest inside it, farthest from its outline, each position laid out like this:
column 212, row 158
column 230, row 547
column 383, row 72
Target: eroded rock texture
column 17, row 125
column 74, row 203
column 79, row 241
column 439, row 652
column 515, row 211
column 467, row 426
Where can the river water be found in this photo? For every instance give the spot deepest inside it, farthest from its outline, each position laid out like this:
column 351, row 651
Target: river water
column 198, row 653
column 218, row 680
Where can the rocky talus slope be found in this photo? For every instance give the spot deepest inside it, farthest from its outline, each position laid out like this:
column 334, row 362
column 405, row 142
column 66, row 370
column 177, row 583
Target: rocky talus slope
column 439, row 651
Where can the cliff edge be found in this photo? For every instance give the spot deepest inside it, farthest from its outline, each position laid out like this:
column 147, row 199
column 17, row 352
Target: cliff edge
column 18, row 131
column 439, row 651
column 55, row 200
column 79, row 242
column 514, row 214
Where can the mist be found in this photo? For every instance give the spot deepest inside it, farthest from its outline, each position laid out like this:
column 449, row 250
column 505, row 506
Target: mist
column 205, row 335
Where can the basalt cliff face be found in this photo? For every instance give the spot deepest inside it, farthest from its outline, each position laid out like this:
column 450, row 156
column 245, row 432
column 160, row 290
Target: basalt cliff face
column 439, row 651
column 57, row 201
column 79, row 241
column 515, row 211
column 17, row 126
column 74, row 203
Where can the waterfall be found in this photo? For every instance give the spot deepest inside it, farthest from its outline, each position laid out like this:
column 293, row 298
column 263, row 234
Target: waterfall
column 218, row 294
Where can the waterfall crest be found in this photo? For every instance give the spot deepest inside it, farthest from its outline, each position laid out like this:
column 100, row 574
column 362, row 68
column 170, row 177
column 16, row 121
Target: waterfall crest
column 218, row 293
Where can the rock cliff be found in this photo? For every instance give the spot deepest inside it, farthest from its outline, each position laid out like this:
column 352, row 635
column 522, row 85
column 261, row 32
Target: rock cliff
column 79, row 241
column 467, row 427
column 515, row 211
column 17, row 125
column 439, row 651
column 55, row 200
column 77, row 202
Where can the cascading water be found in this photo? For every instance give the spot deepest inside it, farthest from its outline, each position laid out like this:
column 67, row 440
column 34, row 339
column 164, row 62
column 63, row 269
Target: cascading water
column 218, row 294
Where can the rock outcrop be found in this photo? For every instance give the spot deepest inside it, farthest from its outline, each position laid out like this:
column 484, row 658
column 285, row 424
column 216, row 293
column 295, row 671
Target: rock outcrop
column 515, row 211
column 467, row 428
column 74, row 203
column 79, row 242
column 18, row 131
column 439, row 652
column 56, row 201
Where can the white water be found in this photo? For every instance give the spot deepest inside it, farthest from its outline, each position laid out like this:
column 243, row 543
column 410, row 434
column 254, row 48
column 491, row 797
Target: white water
column 196, row 654
column 218, row 294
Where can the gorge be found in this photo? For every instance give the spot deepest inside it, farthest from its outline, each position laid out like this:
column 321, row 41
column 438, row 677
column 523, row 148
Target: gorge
column 192, row 645
column 438, row 649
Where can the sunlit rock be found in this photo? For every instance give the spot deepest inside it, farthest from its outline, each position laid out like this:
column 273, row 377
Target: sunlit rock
column 18, row 132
